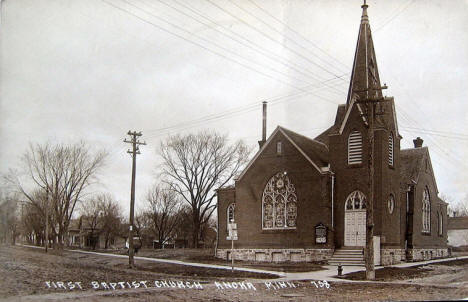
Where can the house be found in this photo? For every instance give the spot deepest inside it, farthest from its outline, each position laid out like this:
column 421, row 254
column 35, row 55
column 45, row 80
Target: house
column 84, row 233
column 457, row 230
column 306, row 199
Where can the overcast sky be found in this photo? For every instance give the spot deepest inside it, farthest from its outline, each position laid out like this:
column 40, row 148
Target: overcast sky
column 92, row 70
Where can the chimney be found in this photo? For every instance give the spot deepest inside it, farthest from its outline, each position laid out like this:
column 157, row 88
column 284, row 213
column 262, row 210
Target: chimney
column 418, row 142
column 262, row 142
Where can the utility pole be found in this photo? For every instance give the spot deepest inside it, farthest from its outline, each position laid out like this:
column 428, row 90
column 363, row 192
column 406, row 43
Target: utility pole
column 135, row 150
column 47, row 222
column 371, row 103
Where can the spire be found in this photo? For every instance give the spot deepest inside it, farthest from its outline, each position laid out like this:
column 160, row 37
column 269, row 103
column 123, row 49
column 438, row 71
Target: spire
column 364, row 17
column 364, row 74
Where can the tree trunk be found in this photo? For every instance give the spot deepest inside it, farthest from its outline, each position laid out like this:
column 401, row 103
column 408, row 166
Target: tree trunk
column 196, row 229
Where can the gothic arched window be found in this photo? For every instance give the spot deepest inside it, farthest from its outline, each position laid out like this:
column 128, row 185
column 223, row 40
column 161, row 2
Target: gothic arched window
column 355, row 201
column 426, row 212
column 279, row 203
column 390, row 149
column 355, row 148
column 441, row 226
column 230, row 213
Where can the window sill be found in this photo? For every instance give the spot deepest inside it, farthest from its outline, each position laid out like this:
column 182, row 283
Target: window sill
column 273, row 231
column 426, row 233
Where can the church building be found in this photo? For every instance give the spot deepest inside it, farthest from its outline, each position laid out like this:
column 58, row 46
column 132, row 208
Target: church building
column 306, row 199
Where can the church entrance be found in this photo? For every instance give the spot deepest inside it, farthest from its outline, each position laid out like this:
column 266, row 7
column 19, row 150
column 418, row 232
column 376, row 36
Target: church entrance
column 355, row 219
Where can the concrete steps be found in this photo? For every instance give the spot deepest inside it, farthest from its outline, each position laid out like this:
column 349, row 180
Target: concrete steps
column 347, row 256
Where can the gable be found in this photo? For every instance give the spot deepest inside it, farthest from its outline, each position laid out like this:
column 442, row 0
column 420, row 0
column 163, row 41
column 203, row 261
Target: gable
column 352, row 104
column 315, row 152
column 413, row 163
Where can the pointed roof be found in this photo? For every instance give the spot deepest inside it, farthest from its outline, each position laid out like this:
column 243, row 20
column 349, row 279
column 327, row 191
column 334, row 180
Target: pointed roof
column 314, row 151
column 365, row 73
column 413, row 162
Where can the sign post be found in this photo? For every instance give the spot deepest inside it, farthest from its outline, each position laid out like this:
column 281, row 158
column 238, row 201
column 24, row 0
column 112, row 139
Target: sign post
column 232, row 228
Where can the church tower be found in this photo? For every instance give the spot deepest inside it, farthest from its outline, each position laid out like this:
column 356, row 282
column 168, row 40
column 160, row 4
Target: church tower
column 349, row 147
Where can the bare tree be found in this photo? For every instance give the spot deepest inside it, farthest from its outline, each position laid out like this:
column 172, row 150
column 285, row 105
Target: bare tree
column 9, row 220
column 196, row 164
column 33, row 217
column 455, row 208
column 62, row 172
column 111, row 217
column 184, row 227
column 91, row 220
column 163, row 206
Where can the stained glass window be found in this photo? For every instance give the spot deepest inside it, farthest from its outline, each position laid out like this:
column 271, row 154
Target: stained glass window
column 355, row 201
column 426, row 212
column 279, row 203
column 230, row 213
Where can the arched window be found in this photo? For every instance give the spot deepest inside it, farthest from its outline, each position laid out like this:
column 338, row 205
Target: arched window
column 426, row 212
column 390, row 149
column 391, row 203
column 355, row 201
column 230, row 213
column 355, row 148
column 279, row 203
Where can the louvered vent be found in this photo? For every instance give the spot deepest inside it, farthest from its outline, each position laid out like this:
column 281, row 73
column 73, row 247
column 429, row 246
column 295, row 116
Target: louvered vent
column 355, row 148
column 390, row 149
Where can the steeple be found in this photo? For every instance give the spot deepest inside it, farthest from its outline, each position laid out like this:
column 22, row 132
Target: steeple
column 365, row 74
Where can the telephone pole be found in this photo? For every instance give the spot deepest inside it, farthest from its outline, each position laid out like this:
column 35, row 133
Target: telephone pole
column 135, row 150
column 47, row 221
column 371, row 103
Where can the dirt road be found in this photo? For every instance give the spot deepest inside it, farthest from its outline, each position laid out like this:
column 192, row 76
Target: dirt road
column 25, row 272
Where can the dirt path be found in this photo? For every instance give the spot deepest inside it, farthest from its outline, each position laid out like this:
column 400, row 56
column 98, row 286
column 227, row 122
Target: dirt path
column 25, row 271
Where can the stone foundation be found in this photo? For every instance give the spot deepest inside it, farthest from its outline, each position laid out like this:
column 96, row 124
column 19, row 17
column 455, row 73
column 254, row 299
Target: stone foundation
column 276, row 255
column 426, row 254
column 392, row 256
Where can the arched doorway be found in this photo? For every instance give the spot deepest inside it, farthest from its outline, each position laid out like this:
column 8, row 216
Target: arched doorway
column 355, row 219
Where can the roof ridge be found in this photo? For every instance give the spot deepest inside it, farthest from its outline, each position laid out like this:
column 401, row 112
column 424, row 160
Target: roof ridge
column 306, row 137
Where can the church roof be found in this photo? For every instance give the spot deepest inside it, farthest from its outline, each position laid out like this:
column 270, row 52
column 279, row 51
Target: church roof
column 314, row 151
column 335, row 128
column 365, row 74
column 411, row 163
column 364, row 84
column 317, row 151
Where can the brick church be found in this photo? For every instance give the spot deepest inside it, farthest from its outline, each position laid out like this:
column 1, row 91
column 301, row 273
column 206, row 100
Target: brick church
column 305, row 199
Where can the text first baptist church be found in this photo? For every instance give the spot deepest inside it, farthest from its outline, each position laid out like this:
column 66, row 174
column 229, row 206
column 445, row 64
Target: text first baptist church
column 304, row 199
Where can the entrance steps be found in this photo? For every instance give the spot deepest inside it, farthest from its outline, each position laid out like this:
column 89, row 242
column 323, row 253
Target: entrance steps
column 348, row 256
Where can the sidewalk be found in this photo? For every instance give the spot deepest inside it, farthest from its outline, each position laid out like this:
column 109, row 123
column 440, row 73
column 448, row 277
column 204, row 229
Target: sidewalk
column 205, row 265
column 329, row 273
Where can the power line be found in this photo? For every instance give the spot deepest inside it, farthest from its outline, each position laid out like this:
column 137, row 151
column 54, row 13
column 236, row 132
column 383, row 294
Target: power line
column 199, row 45
column 438, row 149
column 240, row 38
column 269, row 37
column 394, row 16
column 277, row 31
column 216, row 45
column 301, row 36
column 236, row 111
column 439, row 132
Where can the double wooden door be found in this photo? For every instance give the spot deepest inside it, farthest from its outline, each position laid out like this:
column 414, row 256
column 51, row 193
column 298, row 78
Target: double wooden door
column 355, row 228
